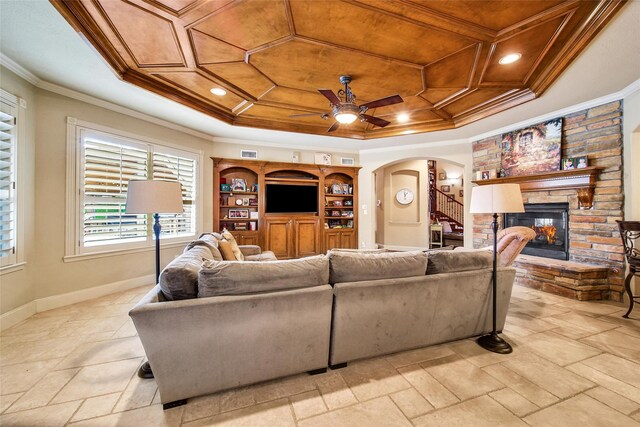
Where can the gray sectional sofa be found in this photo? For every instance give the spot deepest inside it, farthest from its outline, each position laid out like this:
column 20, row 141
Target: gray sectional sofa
column 255, row 321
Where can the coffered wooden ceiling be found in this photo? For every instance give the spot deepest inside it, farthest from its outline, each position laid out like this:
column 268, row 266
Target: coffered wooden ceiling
column 271, row 56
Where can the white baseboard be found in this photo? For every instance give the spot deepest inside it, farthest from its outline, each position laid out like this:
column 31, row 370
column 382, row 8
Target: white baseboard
column 23, row 312
column 17, row 315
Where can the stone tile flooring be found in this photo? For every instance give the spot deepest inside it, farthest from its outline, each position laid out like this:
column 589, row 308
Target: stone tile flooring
column 574, row 364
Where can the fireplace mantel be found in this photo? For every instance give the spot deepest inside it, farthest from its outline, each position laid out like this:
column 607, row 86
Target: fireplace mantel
column 582, row 180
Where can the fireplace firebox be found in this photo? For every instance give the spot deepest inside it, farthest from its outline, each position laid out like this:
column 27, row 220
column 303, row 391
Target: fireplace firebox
column 550, row 221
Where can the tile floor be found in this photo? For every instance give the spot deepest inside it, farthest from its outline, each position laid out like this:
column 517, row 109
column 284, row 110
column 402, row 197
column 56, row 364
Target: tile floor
column 574, row 364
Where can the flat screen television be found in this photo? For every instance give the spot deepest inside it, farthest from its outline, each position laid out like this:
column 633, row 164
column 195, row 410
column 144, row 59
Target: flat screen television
column 283, row 198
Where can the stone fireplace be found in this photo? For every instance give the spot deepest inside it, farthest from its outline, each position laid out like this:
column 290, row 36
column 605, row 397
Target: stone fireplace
column 593, row 265
column 550, row 221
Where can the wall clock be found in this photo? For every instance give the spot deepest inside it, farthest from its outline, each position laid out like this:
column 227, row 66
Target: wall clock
column 404, row 196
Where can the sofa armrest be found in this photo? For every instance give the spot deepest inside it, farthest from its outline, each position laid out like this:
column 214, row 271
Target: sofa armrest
column 203, row 345
column 248, row 250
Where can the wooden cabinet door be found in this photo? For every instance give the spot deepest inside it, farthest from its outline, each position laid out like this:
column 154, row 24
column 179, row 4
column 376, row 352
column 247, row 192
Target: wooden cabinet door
column 331, row 240
column 251, row 239
column 347, row 240
column 278, row 237
column 307, row 237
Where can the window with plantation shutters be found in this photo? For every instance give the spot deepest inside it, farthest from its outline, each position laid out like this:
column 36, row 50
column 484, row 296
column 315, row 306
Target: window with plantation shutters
column 106, row 162
column 182, row 169
column 7, row 184
column 106, row 170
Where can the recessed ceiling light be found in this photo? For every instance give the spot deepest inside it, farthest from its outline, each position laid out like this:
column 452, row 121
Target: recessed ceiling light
column 510, row 58
column 402, row 117
column 408, row 132
column 218, row 91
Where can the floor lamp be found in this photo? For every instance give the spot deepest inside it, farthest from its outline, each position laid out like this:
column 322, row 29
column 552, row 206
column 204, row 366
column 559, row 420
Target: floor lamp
column 495, row 199
column 153, row 197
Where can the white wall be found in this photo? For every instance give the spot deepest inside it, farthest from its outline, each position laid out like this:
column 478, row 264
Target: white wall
column 631, row 153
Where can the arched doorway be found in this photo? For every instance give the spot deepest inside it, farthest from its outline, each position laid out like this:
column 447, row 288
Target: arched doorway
column 409, row 198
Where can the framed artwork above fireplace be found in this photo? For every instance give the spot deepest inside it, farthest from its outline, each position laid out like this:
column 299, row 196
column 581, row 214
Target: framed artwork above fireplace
column 534, row 149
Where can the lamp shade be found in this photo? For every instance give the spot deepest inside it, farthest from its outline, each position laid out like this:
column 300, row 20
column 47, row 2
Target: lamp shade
column 147, row 196
column 496, row 198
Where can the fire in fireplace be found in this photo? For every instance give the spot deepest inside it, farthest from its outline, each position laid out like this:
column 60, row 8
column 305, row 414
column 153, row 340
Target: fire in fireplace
column 550, row 221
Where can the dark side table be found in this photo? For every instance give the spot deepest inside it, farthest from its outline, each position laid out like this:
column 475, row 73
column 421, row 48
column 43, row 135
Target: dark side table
column 630, row 233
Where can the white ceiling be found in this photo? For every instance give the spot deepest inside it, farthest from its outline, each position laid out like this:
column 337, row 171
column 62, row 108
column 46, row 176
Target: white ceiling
column 34, row 35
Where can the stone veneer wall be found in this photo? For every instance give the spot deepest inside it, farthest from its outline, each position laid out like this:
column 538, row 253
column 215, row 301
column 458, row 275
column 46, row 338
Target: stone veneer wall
column 593, row 234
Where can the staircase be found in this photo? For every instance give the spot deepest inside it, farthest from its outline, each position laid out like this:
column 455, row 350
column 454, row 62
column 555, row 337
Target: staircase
column 446, row 208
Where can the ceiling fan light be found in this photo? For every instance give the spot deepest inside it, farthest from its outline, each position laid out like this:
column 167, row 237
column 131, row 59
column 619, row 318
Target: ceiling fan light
column 346, row 118
column 510, row 58
column 402, row 117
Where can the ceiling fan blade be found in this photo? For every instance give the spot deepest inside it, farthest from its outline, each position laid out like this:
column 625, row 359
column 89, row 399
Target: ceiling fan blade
column 389, row 100
column 334, row 126
column 306, row 115
column 375, row 120
column 332, row 97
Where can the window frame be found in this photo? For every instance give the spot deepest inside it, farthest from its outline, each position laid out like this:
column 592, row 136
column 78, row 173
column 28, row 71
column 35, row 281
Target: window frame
column 17, row 261
column 77, row 132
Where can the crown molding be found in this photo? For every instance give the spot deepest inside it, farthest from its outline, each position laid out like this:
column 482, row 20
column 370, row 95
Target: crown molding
column 18, row 69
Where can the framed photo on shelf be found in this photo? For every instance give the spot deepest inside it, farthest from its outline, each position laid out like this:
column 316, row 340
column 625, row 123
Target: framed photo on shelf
column 337, row 203
column 245, row 201
column 238, row 184
column 239, row 213
column 445, row 188
column 336, row 189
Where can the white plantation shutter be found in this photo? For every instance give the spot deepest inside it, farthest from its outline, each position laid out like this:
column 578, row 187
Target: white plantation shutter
column 107, row 168
column 7, row 184
column 171, row 167
column 106, row 163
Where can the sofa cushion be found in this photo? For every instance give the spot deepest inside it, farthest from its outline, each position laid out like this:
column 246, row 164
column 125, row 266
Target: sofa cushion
column 359, row 266
column 234, row 245
column 210, row 242
column 452, row 261
column 226, row 250
column 179, row 279
column 262, row 256
column 246, row 277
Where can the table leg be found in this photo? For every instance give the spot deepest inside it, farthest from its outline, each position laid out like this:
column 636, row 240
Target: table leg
column 627, row 287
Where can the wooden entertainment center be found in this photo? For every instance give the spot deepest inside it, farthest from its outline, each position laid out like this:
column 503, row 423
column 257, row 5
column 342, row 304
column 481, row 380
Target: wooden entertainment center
column 247, row 201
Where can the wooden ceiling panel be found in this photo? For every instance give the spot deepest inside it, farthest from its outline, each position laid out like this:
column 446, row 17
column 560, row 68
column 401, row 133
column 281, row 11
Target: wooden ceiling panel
column 209, row 50
column 495, row 15
column 272, row 56
column 295, row 97
column 534, row 41
column 439, row 75
column 474, row 99
column 436, row 96
column 242, row 76
column 150, row 38
column 311, row 66
column 326, row 21
column 248, row 24
column 194, row 83
column 174, row 6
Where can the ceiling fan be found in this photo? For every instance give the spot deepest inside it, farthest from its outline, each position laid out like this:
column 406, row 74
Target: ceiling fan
column 346, row 111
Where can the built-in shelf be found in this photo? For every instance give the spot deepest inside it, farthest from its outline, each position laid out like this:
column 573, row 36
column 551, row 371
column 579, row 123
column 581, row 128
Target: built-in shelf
column 582, row 180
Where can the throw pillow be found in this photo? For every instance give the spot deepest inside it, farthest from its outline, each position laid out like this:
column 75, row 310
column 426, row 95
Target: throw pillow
column 179, row 279
column 210, row 242
column 226, row 251
column 239, row 278
column 360, row 266
column 234, row 245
